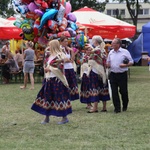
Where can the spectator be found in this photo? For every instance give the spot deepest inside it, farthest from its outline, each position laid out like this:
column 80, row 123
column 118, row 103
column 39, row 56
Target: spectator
column 119, row 59
column 28, row 67
column 9, row 66
column 5, row 50
column 18, row 58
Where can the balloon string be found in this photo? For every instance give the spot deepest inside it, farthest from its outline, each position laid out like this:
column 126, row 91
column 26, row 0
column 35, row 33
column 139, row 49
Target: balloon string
column 43, row 32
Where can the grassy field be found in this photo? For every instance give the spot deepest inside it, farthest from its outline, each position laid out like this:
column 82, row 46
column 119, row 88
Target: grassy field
column 20, row 127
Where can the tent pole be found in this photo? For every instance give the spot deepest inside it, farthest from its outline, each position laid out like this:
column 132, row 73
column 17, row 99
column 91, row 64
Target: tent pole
column 12, row 46
column 22, row 47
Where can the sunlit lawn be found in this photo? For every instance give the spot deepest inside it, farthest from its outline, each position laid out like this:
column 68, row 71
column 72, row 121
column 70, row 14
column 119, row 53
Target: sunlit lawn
column 20, row 127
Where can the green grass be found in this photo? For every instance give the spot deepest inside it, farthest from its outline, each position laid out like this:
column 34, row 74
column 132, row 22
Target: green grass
column 20, row 127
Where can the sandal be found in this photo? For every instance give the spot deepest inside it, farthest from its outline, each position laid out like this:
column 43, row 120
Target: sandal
column 22, row 87
column 104, row 110
column 63, row 122
column 92, row 111
column 89, row 107
column 45, row 121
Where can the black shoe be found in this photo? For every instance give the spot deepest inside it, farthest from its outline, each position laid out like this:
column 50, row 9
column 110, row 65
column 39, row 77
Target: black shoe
column 117, row 111
column 124, row 109
column 92, row 111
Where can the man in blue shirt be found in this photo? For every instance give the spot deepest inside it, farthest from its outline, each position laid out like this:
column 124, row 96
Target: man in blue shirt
column 118, row 61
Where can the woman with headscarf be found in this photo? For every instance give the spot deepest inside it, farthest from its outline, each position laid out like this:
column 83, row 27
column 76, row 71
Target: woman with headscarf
column 98, row 87
column 69, row 68
column 54, row 97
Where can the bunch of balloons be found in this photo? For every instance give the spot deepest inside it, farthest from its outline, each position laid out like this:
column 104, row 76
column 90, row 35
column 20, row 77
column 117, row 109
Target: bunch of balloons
column 42, row 20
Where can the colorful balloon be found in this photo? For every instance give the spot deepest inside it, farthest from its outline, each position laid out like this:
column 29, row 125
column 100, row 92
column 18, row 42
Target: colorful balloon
column 68, row 8
column 72, row 32
column 55, row 4
column 39, row 12
column 64, row 33
column 63, row 25
column 51, row 36
column 27, row 1
column 63, row 2
column 46, row 16
column 71, row 17
column 42, row 4
column 85, row 39
column 31, row 15
column 60, row 14
column 58, row 35
column 32, row 6
column 23, row 9
column 49, row 14
column 28, row 33
column 36, row 25
column 72, row 25
column 80, row 40
column 53, row 25
column 42, row 41
column 17, row 2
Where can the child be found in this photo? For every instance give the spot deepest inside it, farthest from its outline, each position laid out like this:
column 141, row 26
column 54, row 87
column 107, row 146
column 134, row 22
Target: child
column 54, row 98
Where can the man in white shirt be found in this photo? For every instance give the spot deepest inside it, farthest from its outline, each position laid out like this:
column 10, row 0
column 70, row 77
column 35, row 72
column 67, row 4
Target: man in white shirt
column 119, row 59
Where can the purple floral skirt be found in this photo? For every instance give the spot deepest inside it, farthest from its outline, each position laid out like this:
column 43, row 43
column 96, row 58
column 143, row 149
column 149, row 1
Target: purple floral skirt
column 71, row 78
column 104, row 92
column 97, row 90
column 94, row 87
column 84, row 90
column 53, row 99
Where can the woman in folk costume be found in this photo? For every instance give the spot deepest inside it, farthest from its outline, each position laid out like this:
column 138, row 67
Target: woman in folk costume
column 97, row 75
column 54, row 96
column 45, row 61
column 69, row 68
column 84, row 90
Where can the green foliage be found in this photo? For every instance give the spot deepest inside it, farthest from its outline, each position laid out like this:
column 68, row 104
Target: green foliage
column 77, row 4
column 133, row 4
column 5, row 8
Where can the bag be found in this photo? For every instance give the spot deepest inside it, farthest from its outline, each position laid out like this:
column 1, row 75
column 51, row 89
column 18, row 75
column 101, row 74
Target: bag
column 126, row 61
column 41, row 71
column 3, row 56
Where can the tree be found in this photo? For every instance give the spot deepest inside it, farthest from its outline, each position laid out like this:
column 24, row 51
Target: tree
column 6, row 9
column 133, row 7
column 99, row 6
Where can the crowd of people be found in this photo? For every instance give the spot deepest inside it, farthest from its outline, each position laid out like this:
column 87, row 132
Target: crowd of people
column 22, row 60
column 60, row 88
column 10, row 63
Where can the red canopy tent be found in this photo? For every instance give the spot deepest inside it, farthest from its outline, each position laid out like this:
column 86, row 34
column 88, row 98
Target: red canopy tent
column 97, row 23
column 8, row 30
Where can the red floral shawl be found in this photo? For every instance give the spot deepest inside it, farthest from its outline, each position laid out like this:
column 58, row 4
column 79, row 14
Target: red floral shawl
column 97, row 60
column 57, row 67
